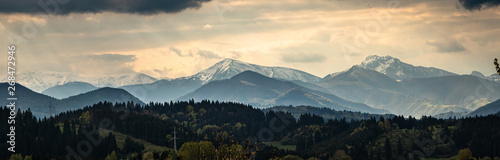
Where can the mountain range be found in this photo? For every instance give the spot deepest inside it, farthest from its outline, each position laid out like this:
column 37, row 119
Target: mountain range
column 380, row 84
column 260, row 91
column 167, row 90
column 39, row 81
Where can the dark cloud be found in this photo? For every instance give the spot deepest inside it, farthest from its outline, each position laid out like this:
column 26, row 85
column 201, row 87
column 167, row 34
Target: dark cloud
column 208, row 54
column 63, row 7
column 478, row 4
column 447, row 46
column 303, row 58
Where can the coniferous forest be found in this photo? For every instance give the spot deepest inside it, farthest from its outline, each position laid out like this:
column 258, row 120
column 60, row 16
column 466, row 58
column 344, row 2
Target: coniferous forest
column 226, row 130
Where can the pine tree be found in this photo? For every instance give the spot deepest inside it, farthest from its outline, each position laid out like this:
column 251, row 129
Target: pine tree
column 388, row 149
column 400, row 147
column 301, row 144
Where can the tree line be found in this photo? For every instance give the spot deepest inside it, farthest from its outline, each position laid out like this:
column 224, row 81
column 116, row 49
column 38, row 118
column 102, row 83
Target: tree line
column 232, row 130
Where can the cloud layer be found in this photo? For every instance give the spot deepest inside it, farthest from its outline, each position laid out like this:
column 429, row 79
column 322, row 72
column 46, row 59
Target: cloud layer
column 64, row 7
column 303, row 58
column 319, row 37
column 446, row 46
column 479, row 4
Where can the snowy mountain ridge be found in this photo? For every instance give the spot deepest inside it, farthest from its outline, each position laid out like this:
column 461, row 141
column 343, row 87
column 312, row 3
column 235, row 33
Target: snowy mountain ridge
column 39, row 81
column 397, row 69
column 228, row 68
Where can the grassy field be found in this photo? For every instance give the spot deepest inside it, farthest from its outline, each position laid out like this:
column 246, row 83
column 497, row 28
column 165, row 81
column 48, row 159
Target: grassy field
column 278, row 144
column 120, row 141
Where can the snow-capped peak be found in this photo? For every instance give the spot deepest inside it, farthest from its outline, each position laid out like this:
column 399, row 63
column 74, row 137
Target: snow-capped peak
column 396, row 69
column 381, row 63
column 228, row 68
column 228, row 61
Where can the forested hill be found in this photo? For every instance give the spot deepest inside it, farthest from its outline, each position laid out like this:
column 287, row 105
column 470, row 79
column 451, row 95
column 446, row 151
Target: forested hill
column 226, row 130
column 326, row 113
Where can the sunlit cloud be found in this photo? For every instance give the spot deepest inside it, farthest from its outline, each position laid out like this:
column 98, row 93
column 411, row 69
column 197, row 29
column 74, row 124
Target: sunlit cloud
column 320, row 37
column 207, row 26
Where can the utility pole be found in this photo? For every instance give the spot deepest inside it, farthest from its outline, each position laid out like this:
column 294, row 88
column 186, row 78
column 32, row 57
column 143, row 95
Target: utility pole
column 175, row 140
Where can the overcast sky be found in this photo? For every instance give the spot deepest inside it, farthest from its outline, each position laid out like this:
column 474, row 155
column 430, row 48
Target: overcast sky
column 181, row 37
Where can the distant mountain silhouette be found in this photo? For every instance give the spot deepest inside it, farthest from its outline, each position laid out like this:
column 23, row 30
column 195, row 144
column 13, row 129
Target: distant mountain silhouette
column 163, row 90
column 69, row 89
column 39, row 103
column 98, row 95
column 27, row 98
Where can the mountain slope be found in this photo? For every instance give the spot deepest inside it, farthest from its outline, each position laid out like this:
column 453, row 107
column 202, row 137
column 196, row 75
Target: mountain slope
column 396, row 69
column 39, row 103
column 163, row 90
column 27, row 98
column 477, row 74
column 376, row 89
column 261, row 91
column 362, row 75
column 491, row 108
column 297, row 96
column 99, row 95
column 494, row 77
column 69, row 89
column 464, row 90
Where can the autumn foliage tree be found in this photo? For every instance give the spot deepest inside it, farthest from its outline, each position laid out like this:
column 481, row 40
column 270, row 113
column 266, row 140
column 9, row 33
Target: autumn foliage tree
column 464, row 154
